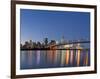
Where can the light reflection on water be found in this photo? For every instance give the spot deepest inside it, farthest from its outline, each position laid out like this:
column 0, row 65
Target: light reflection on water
column 54, row 58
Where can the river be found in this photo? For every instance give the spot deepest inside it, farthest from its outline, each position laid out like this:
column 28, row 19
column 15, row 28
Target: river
column 36, row 59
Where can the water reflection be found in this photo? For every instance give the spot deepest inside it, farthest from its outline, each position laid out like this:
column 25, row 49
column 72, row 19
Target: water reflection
column 67, row 56
column 38, row 57
column 54, row 58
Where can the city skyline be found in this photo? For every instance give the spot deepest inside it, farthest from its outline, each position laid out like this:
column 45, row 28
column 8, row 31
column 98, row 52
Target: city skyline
column 39, row 24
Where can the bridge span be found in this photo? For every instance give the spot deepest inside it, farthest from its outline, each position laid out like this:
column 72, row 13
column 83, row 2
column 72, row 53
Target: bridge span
column 68, row 43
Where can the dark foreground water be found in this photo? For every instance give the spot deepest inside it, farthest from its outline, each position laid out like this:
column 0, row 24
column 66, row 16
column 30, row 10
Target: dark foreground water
column 54, row 58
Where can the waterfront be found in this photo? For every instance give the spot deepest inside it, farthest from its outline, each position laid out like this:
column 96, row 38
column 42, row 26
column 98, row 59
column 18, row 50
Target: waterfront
column 35, row 59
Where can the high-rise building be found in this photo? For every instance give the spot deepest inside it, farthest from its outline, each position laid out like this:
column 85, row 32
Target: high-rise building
column 46, row 41
column 62, row 40
column 31, row 44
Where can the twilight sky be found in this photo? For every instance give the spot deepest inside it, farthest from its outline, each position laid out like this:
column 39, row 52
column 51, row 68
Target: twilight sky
column 39, row 24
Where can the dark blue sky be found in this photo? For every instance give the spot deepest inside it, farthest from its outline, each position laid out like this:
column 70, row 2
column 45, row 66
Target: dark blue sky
column 38, row 24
